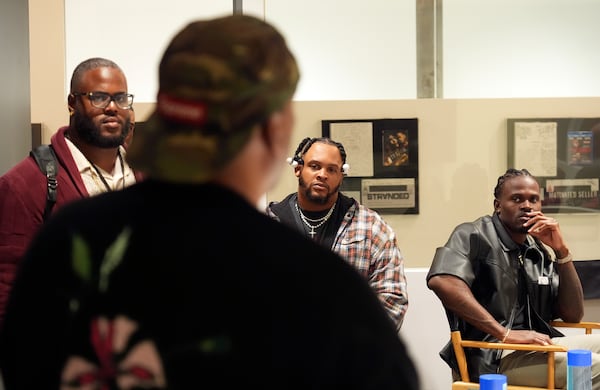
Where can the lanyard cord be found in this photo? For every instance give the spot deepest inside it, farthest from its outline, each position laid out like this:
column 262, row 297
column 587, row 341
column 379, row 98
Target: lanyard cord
column 108, row 189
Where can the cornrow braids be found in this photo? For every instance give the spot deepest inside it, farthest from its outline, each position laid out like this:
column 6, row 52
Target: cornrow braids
column 307, row 142
column 509, row 174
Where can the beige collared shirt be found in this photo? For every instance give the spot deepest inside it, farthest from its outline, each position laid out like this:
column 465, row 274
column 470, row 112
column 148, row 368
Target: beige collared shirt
column 116, row 180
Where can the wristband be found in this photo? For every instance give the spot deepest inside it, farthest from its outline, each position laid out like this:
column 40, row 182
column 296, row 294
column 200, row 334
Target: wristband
column 566, row 259
column 505, row 335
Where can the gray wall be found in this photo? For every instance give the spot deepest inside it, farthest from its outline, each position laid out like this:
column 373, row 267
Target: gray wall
column 15, row 116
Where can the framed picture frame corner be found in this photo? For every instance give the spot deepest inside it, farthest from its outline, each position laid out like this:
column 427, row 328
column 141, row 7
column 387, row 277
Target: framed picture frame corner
column 383, row 155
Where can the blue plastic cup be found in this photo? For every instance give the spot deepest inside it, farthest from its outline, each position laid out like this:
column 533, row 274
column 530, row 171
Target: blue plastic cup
column 492, row 382
column 579, row 369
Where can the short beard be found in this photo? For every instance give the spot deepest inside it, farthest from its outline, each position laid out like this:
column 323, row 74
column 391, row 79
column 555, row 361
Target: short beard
column 90, row 133
column 322, row 200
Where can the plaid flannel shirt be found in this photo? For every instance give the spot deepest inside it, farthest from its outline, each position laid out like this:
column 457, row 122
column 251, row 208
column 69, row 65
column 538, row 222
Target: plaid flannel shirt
column 367, row 242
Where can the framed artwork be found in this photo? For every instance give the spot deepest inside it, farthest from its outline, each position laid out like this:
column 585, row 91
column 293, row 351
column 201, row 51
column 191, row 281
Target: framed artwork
column 564, row 155
column 383, row 155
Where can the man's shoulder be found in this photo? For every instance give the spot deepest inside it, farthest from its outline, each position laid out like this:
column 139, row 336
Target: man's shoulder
column 275, row 207
column 24, row 171
column 476, row 224
column 367, row 213
column 484, row 219
column 287, row 198
column 27, row 169
column 483, row 228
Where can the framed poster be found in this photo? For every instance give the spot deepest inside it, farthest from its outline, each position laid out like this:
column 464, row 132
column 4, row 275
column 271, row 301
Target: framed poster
column 383, row 155
column 564, row 155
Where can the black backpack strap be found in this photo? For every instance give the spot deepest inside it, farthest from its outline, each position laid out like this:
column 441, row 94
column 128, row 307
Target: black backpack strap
column 46, row 159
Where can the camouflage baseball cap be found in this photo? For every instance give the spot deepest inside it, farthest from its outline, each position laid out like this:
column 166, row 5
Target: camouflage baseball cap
column 218, row 78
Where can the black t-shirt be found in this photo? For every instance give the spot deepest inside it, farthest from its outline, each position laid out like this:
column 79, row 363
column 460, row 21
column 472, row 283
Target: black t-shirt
column 187, row 286
column 325, row 234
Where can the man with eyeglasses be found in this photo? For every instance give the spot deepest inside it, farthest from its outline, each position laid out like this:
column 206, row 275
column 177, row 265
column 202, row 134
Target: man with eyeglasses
column 90, row 156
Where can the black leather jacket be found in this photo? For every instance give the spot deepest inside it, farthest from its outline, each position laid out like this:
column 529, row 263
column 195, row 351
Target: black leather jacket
column 498, row 271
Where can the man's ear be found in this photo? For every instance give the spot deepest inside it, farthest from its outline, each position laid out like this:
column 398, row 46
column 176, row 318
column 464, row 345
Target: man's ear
column 71, row 102
column 496, row 206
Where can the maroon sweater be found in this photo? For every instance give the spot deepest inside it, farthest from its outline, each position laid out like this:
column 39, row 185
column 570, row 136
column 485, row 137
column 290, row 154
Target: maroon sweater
column 22, row 201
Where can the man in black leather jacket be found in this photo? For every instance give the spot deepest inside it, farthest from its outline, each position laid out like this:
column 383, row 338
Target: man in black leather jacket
column 504, row 277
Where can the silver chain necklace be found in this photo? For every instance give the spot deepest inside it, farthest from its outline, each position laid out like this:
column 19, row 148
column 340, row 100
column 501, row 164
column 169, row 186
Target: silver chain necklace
column 319, row 222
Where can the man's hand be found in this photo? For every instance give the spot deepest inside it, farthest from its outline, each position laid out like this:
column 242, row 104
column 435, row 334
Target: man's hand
column 527, row 337
column 547, row 230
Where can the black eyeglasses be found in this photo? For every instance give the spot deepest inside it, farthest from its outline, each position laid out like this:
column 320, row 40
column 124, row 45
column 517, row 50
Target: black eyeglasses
column 103, row 99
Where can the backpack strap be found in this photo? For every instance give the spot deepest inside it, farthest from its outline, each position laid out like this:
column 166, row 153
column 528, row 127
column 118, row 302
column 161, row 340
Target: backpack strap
column 45, row 158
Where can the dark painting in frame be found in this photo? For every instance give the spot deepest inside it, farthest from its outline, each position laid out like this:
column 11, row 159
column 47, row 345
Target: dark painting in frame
column 391, row 185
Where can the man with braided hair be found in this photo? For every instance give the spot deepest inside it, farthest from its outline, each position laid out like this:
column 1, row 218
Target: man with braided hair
column 504, row 277
column 320, row 211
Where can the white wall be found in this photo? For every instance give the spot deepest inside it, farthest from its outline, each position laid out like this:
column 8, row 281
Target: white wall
column 135, row 38
column 351, row 49
column 425, row 331
column 515, row 48
column 359, row 50
column 352, row 37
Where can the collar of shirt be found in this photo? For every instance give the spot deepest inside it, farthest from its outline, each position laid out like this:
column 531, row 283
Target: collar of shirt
column 89, row 175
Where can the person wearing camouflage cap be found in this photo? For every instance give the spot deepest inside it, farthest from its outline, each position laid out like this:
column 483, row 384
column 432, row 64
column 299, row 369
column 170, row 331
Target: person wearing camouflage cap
column 219, row 79
column 179, row 281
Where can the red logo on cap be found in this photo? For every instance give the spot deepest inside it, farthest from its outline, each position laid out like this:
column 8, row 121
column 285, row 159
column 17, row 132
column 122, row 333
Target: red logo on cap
column 180, row 110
